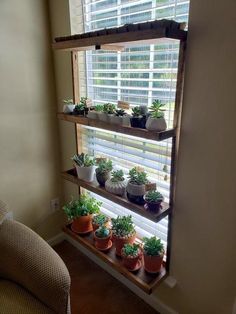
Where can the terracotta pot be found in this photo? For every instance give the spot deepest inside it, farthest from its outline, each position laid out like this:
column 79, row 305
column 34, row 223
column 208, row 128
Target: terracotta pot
column 117, row 188
column 102, row 177
column 102, row 243
column 135, row 193
column 131, row 262
column 156, row 124
column 85, row 173
column 82, row 224
column 120, row 242
column 152, row 264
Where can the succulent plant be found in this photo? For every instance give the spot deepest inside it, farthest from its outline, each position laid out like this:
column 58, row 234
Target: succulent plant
column 117, row 176
column 153, row 196
column 123, row 226
column 131, row 250
column 153, row 246
column 100, row 219
column 102, row 232
column 68, row 101
column 120, row 112
column 99, row 108
column 85, row 205
column 136, row 112
column 109, row 108
column 137, row 176
column 83, row 160
column 157, row 110
column 104, row 166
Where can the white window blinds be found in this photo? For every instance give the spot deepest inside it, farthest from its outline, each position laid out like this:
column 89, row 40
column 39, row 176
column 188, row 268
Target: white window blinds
column 138, row 75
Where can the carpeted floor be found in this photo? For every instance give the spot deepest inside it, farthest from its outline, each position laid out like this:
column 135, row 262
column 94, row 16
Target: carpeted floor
column 94, row 291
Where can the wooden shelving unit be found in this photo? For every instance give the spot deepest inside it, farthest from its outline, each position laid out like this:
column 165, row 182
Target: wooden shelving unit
column 143, row 133
column 71, row 176
column 117, row 39
column 140, row 278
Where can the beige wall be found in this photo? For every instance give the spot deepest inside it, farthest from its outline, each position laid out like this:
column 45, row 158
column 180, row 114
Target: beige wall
column 29, row 150
column 203, row 247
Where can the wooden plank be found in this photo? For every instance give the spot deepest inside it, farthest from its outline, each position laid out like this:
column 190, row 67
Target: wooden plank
column 143, row 133
column 122, row 38
column 71, row 176
column 141, row 278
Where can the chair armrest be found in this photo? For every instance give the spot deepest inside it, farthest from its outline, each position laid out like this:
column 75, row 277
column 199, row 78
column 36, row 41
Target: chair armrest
column 29, row 261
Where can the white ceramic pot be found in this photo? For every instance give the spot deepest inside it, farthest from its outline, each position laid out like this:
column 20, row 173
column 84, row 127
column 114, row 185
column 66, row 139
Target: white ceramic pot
column 92, row 114
column 68, row 108
column 156, row 124
column 86, row 173
column 103, row 117
column 117, row 188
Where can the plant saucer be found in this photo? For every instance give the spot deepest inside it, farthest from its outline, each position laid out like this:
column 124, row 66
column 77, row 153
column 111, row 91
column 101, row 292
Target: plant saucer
column 137, row 267
column 106, row 248
column 84, row 232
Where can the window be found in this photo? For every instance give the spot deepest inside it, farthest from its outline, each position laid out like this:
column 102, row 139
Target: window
column 138, row 75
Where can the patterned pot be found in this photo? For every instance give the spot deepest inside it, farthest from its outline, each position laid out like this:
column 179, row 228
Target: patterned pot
column 154, row 124
column 117, row 188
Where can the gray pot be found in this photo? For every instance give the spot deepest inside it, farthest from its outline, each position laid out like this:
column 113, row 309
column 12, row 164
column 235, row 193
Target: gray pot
column 103, row 117
column 102, row 177
column 92, row 115
column 134, row 189
column 156, row 124
column 124, row 120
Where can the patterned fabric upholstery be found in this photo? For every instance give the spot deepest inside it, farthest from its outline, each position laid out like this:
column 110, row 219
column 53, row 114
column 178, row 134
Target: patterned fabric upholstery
column 29, row 261
column 15, row 299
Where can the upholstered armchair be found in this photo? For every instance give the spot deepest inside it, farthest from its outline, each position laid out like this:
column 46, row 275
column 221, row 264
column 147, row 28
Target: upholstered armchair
column 33, row 278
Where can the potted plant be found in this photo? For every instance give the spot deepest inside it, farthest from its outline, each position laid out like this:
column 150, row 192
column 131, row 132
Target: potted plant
column 94, row 114
column 153, row 253
column 102, row 237
column 156, row 121
column 103, row 171
column 100, row 220
column 85, row 166
column 117, row 183
column 136, row 187
column 108, row 111
column 153, row 200
column 69, row 106
column 120, row 117
column 131, row 255
column 81, row 211
column 81, row 108
column 137, row 120
column 123, row 232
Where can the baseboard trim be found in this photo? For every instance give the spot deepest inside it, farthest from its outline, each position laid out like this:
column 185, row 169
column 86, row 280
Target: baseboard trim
column 57, row 239
column 152, row 300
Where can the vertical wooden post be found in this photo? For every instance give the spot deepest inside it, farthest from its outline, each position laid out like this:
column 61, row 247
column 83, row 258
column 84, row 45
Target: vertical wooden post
column 175, row 141
column 76, row 98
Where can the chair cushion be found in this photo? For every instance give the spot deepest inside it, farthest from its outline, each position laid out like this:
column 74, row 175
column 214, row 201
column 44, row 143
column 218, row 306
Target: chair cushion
column 17, row 300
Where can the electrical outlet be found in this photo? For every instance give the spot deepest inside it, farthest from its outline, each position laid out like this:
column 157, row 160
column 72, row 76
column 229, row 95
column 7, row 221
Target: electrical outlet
column 55, row 205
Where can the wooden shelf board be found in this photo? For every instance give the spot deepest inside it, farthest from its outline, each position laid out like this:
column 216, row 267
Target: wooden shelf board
column 71, row 176
column 141, row 278
column 143, row 133
column 147, row 32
